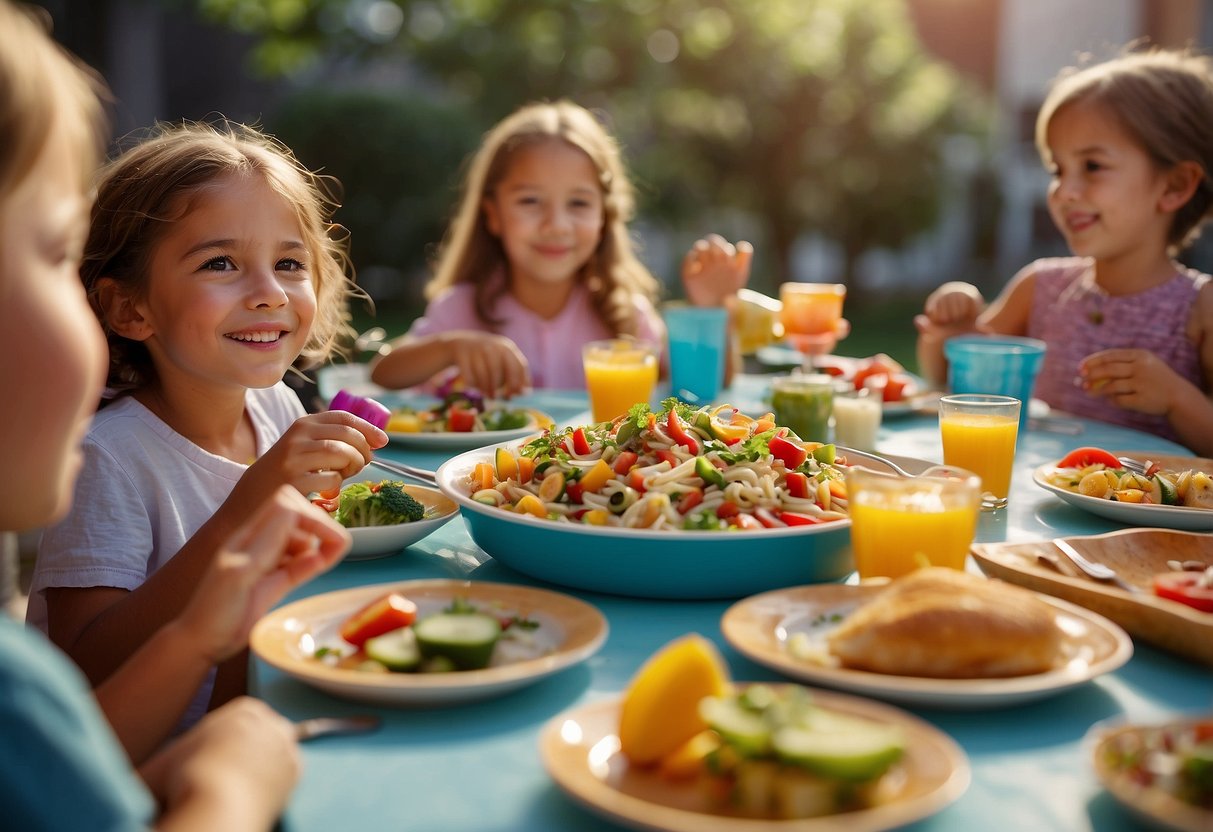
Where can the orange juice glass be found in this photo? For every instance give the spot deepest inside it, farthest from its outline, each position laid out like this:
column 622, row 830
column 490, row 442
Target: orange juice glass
column 979, row 434
column 618, row 374
column 810, row 313
column 899, row 524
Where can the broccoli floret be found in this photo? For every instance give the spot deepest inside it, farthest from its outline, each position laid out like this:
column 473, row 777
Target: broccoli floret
column 376, row 504
column 395, row 500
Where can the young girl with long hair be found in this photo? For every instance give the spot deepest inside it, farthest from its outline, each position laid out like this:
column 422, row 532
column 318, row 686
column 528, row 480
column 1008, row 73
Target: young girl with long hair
column 61, row 764
column 538, row 261
column 212, row 264
column 1129, row 330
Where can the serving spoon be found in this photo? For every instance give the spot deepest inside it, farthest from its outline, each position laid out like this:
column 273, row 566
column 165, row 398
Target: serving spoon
column 988, row 501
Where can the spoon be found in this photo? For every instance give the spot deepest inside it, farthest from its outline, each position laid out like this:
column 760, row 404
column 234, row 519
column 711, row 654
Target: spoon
column 325, row 726
column 1098, row 571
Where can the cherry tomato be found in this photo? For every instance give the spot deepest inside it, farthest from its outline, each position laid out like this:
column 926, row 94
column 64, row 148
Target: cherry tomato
column 625, row 461
column 1082, row 457
column 1192, row 588
column 461, row 420
column 391, row 612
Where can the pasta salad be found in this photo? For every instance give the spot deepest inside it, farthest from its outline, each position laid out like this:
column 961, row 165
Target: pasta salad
column 678, row 467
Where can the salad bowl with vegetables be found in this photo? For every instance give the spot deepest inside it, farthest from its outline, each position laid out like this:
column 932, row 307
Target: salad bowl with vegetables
column 678, row 502
column 385, row 515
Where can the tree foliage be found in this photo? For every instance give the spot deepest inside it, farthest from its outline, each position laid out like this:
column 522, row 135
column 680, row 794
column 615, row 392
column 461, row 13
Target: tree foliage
column 810, row 115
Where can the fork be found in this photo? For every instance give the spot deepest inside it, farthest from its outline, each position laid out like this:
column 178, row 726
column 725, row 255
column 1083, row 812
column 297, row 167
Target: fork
column 1134, row 466
column 988, row 501
column 1098, row 571
column 411, row 471
column 324, row 726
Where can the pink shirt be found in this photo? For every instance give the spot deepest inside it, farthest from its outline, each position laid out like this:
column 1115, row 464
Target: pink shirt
column 1075, row 317
column 552, row 346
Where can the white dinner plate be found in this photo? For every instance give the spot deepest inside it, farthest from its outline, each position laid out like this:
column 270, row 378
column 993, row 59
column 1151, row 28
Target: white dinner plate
column 466, row 440
column 1136, row 514
column 569, row 632
column 580, row 750
column 761, row 626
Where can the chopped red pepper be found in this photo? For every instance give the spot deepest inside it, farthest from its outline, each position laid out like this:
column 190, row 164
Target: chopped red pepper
column 792, row 454
column 797, row 484
column 581, row 444
column 679, row 433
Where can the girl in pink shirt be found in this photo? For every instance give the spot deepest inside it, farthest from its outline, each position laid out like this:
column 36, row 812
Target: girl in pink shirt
column 1129, row 331
column 538, row 262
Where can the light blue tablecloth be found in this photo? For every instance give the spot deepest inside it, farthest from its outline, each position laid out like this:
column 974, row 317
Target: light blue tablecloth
column 477, row 767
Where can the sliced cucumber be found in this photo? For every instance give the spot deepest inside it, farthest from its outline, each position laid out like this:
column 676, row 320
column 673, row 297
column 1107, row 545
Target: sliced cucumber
column 1168, row 492
column 396, row 650
column 467, row 639
column 742, row 728
column 858, row 754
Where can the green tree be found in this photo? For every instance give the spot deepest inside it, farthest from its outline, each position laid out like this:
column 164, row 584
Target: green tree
column 811, row 115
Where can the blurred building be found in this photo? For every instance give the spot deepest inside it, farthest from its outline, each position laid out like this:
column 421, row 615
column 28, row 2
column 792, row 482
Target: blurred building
column 1014, row 48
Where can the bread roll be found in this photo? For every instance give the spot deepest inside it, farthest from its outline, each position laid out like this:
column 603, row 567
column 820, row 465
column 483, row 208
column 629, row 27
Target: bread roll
column 948, row 624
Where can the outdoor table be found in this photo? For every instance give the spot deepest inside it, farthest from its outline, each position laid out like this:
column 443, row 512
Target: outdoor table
column 477, row 766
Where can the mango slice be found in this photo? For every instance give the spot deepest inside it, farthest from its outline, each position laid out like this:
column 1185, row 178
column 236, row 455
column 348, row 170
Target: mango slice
column 660, row 710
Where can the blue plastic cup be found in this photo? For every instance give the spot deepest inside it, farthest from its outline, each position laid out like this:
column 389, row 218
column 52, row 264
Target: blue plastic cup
column 698, row 339
column 997, row 365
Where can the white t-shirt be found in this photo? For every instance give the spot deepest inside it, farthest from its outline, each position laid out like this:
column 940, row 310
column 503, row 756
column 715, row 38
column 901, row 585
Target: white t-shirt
column 142, row 492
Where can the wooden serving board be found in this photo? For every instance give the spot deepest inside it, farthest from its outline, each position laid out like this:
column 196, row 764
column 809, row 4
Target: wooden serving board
column 1137, row 555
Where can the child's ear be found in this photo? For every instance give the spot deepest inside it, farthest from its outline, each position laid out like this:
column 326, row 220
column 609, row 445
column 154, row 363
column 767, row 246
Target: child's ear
column 492, row 218
column 1182, row 182
column 122, row 314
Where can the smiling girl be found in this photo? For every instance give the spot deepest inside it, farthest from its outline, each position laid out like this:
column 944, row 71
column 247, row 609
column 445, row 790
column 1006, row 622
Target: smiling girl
column 1129, row 330
column 211, row 265
column 538, row 261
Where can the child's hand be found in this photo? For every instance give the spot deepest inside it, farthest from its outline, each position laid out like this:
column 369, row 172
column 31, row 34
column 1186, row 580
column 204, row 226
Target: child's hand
column 714, row 270
column 954, row 304
column 492, row 364
column 287, row 542
column 1133, row 379
column 241, row 757
column 318, row 452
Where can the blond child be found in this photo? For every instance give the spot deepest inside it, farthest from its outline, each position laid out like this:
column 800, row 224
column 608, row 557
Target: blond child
column 538, row 261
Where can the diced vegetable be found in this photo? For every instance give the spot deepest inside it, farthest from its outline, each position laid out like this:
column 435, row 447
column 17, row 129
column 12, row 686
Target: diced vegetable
column 396, row 650
column 391, row 612
column 466, row 638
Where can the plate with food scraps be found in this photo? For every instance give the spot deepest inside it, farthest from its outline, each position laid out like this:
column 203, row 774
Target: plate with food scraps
column 1155, row 771
column 1138, row 556
column 1182, row 517
column 786, row 630
column 580, row 750
column 551, row 631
